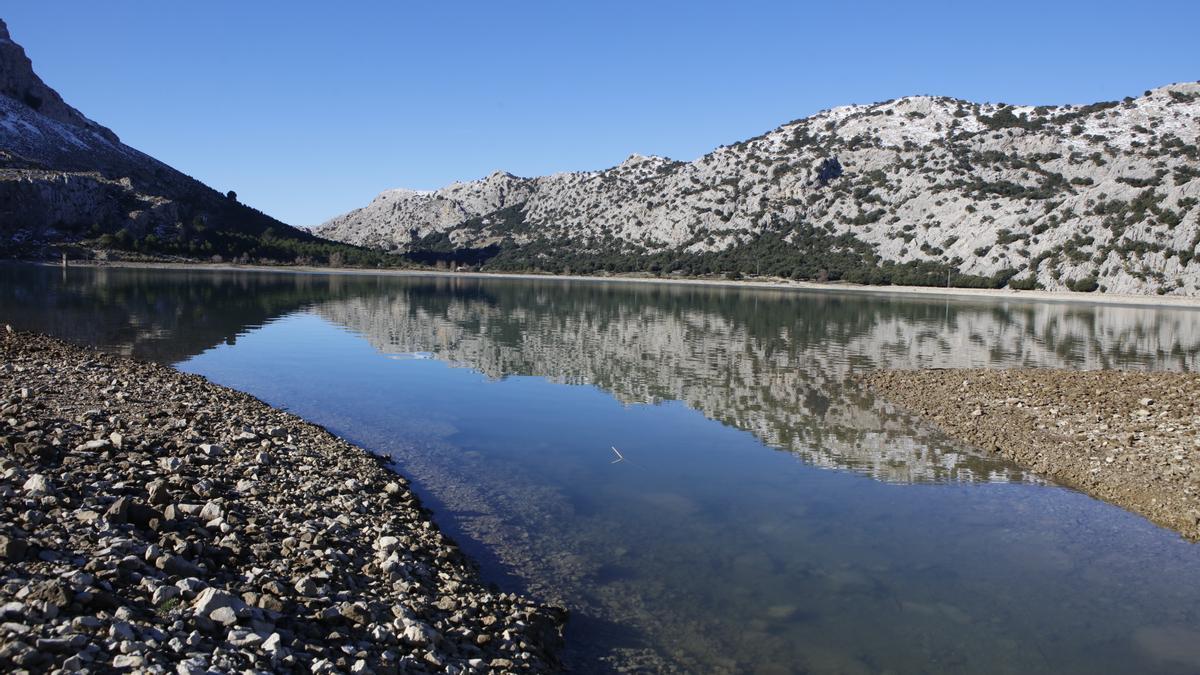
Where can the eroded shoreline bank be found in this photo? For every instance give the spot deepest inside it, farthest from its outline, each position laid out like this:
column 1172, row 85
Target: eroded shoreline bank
column 1128, row 438
column 156, row 521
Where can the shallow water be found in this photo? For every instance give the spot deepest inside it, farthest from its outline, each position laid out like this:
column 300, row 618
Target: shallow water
column 769, row 516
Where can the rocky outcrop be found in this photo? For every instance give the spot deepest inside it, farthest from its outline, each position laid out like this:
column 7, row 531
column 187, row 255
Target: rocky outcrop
column 19, row 83
column 49, row 202
column 1100, row 196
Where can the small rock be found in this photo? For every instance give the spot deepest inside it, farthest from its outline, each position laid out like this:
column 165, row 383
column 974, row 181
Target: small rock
column 211, row 511
column 355, row 612
column 193, row 666
column 86, row 623
column 224, row 616
column 86, row 516
column 119, row 511
column 306, row 586
column 12, row 610
column 163, row 594
column 177, row 566
column 121, row 630
column 38, row 485
column 243, row 637
column 13, row 549
column 158, row 493
column 211, row 599
column 127, row 661
column 270, row 603
column 419, row 634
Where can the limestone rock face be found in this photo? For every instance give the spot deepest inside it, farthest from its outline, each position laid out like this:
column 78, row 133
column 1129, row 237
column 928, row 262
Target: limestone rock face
column 396, row 218
column 1053, row 194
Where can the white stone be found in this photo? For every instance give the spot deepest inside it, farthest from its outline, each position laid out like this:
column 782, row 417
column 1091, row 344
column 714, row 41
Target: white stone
column 38, row 484
column 211, row 599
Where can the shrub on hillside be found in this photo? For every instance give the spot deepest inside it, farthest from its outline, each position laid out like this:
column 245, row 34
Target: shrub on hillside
column 1029, row 283
column 1084, row 285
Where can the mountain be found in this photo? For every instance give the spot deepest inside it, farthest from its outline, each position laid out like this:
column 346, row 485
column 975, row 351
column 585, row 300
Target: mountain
column 66, row 179
column 918, row 190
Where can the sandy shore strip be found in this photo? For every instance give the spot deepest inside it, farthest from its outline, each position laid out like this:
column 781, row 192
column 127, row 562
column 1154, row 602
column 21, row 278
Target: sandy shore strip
column 1131, row 439
column 155, row 522
column 766, row 284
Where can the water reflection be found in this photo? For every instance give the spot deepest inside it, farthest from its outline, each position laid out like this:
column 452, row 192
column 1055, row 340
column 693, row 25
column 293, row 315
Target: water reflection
column 706, row 552
column 778, row 365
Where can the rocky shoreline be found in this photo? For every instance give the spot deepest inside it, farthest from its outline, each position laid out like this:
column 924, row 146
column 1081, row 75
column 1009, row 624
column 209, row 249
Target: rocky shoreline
column 156, row 522
column 1131, row 439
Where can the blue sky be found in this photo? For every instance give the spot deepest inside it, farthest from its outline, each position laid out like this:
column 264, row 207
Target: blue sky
column 309, row 109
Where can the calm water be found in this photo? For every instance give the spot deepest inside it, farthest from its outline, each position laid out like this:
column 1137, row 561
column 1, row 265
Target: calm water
column 771, row 516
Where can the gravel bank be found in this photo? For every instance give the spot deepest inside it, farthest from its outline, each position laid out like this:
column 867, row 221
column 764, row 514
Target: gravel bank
column 153, row 521
column 1132, row 439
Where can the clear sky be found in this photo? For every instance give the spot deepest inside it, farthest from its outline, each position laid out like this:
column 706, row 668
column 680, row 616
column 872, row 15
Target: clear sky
column 308, row 109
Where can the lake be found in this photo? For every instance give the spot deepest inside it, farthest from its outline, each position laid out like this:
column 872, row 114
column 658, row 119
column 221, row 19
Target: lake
column 769, row 515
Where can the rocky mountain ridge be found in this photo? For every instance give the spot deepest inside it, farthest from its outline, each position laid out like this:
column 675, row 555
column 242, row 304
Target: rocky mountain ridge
column 920, row 190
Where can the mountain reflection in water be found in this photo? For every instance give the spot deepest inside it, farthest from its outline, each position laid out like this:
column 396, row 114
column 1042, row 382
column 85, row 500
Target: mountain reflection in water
column 706, row 551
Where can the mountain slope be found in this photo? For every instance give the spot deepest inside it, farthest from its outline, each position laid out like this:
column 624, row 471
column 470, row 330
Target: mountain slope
column 65, row 178
column 916, row 190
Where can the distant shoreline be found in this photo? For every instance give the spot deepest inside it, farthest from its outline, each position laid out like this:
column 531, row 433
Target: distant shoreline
column 1186, row 302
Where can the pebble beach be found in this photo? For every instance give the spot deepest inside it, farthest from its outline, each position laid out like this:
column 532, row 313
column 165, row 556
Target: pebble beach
column 156, row 522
